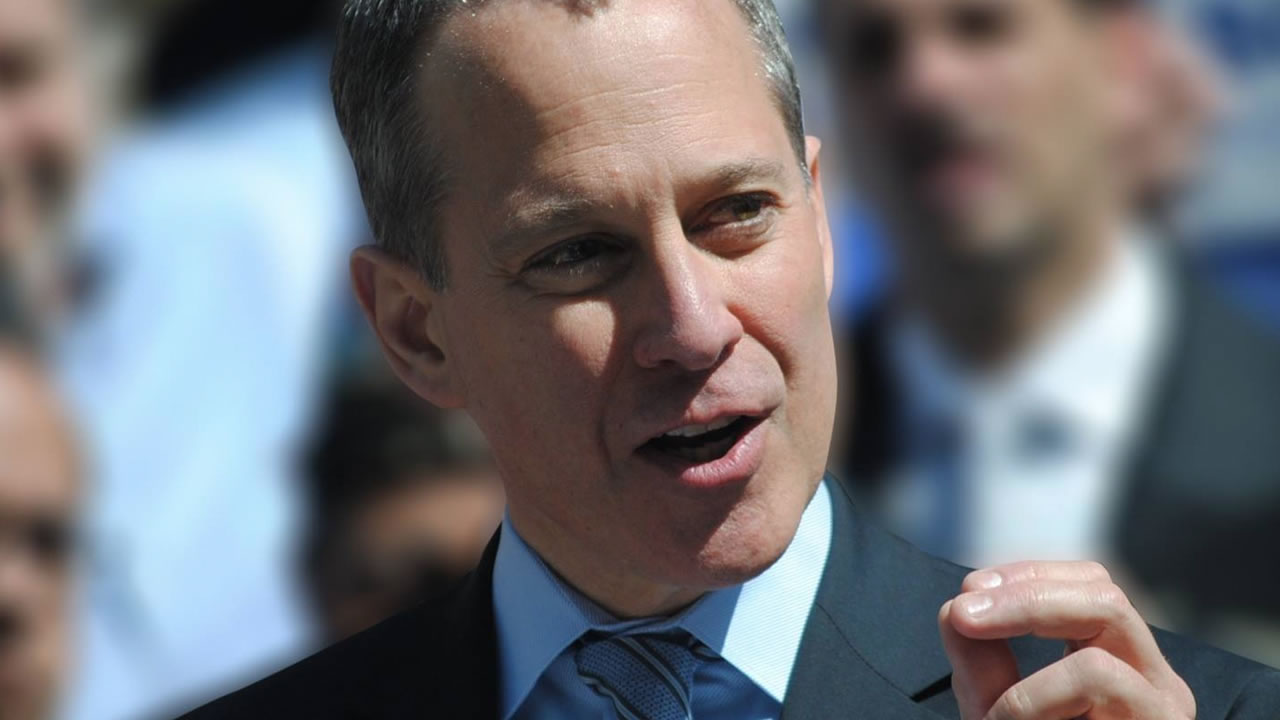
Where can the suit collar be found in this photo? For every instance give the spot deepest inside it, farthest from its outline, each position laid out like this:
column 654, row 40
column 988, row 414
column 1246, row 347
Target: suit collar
column 451, row 665
column 756, row 627
column 872, row 640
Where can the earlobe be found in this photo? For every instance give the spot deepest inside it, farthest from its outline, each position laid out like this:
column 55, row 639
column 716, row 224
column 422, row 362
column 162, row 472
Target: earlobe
column 405, row 315
column 813, row 149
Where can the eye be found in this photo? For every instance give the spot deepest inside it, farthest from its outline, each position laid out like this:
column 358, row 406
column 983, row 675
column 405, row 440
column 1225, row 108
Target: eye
column 571, row 254
column 739, row 209
column 981, row 23
column 51, row 540
column 576, row 266
column 19, row 70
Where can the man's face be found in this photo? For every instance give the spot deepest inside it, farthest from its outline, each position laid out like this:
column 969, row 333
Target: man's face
column 43, row 118
column 974, row 123
column 39, row 493
column 633, row 251
column 407, row 544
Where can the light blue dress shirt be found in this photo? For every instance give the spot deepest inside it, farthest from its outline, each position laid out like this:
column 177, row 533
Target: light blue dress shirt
column 755, row 627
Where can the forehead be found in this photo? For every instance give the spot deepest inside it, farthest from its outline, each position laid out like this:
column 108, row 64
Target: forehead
column 631, row 88
column 33, row 21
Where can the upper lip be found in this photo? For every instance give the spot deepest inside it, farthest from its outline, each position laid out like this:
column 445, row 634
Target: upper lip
column 703, row 418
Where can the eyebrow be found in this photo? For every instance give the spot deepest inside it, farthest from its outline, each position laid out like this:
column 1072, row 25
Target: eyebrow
column 748, row 171
column 552, row 208
column 541, row 216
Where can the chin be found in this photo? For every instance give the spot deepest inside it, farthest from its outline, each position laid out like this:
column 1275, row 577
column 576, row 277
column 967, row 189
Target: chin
column 750, row 540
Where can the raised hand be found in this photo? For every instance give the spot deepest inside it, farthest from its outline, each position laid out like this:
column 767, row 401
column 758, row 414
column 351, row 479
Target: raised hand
column 1112, row 667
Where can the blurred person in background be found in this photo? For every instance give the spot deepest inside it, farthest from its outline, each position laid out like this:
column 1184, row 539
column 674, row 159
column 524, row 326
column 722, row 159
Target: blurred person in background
column 402, row 499
column 1172, row 98
column 217, row 226
column 45, row 134
column 1049, row 378
column 40, row 500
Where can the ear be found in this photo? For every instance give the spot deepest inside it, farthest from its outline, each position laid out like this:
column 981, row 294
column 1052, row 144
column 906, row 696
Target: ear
column 407, row 316
column 1130, row 42
column 812, row 150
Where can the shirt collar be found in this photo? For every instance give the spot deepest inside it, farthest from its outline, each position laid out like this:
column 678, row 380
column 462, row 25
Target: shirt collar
column 1064, row 374
column 756, row 627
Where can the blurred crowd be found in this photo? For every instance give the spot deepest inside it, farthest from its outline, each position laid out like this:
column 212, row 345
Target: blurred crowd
column 1058, row 292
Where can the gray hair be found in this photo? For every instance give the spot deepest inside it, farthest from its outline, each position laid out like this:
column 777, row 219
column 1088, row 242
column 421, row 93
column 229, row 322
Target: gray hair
column 380, row 51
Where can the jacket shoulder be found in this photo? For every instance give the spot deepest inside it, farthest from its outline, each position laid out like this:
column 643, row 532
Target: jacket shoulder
column 424, row 658
column 329, row 684
column 1226, row 686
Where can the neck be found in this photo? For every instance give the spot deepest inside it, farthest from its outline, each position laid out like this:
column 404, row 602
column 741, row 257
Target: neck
column 625, row 595
column 985, row 313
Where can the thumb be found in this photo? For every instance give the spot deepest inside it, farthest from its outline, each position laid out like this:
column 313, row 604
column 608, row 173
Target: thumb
column 981, row 670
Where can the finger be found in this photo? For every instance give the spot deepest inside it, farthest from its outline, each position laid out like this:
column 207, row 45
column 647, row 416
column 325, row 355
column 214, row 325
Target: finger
column 991, row 578
column 1088, row 614
column 982, row 670
column 1090, row 683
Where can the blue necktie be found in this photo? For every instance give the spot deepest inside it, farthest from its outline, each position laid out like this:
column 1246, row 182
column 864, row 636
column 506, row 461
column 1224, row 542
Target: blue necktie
column 648, row 677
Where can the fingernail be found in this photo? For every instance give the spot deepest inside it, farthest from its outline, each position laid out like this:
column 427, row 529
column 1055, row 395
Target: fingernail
column 987, row 580
column 975, row 604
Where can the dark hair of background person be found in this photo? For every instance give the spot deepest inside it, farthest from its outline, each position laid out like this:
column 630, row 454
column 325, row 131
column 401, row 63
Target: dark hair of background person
column 821, row 15
column 202, row 41
column 376, row 439
column 376, row 62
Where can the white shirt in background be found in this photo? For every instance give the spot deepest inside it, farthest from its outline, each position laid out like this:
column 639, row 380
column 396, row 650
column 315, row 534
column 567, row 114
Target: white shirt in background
column 1045, row 440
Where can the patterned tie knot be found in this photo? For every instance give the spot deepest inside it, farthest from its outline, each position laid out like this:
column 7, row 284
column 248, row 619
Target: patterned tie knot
column 648, row 677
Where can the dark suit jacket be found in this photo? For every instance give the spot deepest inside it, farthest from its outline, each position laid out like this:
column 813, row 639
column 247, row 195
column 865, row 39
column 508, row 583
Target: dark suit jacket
column 870, row 650
column 1200, row 514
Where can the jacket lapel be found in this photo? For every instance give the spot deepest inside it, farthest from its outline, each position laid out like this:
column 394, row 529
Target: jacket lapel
column 871, row 647
column 453, row 671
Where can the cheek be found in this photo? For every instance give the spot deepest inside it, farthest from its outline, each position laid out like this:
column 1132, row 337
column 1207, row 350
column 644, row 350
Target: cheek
column 1057, row 112
column 783, row 303
column 537, row 374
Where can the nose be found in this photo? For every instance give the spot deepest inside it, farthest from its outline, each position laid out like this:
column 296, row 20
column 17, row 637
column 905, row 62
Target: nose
column 686, row 321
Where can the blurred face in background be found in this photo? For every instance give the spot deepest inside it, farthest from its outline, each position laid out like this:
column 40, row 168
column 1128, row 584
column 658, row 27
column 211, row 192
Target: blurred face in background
column 39, row 492
column 44, row 131
column 404, row 545
column 636, row 313
column 977, row 125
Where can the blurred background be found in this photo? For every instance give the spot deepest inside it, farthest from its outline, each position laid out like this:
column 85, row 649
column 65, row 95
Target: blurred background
column 206, row 471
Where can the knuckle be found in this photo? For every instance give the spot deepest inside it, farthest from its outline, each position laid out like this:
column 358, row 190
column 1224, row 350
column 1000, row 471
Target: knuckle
column 1015, row 704
column 1112, row 600
column 1037, row 594
column 1033, row 572
column 1095, row 667
column 1097, row 570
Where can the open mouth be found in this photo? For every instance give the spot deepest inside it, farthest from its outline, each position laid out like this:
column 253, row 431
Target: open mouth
column 698, row 444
